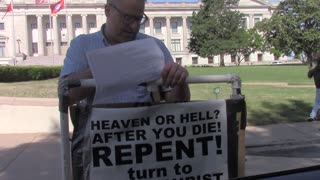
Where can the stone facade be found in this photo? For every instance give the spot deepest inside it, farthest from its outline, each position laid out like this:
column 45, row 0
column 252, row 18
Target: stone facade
column 32, row 30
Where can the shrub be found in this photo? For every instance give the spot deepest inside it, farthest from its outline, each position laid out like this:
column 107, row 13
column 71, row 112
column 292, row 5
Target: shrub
column 28, row 73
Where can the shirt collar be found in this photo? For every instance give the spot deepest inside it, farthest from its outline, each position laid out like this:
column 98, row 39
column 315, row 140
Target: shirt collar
column 102, row 35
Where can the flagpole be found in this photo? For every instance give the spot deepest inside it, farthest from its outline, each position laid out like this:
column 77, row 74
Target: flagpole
column 13, row 36
column 51, row 34
column 65, row 6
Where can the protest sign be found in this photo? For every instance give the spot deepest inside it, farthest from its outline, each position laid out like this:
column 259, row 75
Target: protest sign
column 182, row 141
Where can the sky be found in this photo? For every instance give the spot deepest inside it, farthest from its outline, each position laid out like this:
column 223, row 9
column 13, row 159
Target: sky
column 172, row 0
column 270, row 1
column 193, row 1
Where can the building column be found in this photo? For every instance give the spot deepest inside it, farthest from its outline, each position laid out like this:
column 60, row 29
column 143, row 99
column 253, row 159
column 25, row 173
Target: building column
column 84, row 23
column 56, row 37
column 185, row 33
column 251, row 21
column 151, row 26
column 168, row 27
column 26, row 38
column 70, row 28
column 12, row 39
column 100, row 20
column 41, row 46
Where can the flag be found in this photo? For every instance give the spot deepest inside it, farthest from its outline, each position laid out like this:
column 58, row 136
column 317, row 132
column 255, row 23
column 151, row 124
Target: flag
column 38, row 2
column 55, row 8
column 9, row 9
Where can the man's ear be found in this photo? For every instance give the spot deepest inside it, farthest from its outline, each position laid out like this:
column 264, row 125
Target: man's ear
column 107, row 10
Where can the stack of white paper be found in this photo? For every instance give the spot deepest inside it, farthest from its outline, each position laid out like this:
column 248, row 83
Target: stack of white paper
column 118, row 67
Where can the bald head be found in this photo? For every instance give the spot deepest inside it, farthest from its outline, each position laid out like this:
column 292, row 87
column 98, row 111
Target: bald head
column 118, row 12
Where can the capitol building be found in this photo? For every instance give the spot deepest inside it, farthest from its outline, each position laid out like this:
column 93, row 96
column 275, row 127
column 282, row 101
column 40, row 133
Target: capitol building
column 33, row 31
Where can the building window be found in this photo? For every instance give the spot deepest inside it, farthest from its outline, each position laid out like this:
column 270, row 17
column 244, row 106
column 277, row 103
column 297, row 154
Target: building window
column 48, row 44
column 175, row 45
column 157, row 27
column 174, row 27
column 77, row 25
column 246, row 58
column 194, row 60
column 91, row 25
column 210, row 60
column 48, row 26
column 142, row 27
column 63, row 43
column 62, row 25
column 2, row 49
column 35, row 48
column 179, row 61
column 233, row 58
column 244, row 23
column 189, row 25
column 34, row 26
column 1, row 26
column 256, row 20
column 260, row 57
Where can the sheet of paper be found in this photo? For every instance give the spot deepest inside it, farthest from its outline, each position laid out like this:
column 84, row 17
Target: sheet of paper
column 118, row 67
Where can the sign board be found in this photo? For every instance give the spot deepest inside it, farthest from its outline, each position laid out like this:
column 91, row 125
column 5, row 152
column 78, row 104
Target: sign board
column 168, row 142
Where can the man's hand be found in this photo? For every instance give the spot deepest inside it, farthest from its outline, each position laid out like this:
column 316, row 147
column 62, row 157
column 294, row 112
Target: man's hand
column 79, row 93
column 310, row 73
column 173, row 74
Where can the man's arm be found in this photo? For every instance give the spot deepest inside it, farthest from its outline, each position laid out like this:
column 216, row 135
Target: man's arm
column 311, row 71
column 77, row 94
column 76, row 67
column 174, row 75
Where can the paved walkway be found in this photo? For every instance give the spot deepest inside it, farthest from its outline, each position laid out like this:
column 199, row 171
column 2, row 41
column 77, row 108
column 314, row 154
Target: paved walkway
column 43, row 60
column 36, row 155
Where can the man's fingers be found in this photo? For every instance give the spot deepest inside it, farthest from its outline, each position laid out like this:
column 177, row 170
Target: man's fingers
column 164, row 74
column 176, row 77
column 182, row 78
column 169, row 73
column 171, row 76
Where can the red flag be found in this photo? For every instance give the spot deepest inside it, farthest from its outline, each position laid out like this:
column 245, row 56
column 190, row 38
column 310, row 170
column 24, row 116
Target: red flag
column 9, row 9
column 55, row 8
column 38, row 2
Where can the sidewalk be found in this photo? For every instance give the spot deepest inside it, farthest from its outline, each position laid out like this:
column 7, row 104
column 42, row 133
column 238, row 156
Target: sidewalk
column 36, row 155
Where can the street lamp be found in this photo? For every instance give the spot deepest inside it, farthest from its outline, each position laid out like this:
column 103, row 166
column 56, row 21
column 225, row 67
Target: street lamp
column 18, row 41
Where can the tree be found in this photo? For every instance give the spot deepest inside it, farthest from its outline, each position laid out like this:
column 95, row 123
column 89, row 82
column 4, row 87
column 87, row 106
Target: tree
column 214, row 27
column 247, row 42
column 294, row 27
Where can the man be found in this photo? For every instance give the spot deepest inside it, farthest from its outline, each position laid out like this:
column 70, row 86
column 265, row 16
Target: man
column 124, row 17
column 315, row 73
column 124, row 20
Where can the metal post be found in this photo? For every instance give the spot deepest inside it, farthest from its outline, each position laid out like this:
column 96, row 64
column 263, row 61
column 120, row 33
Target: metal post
column 19, row 41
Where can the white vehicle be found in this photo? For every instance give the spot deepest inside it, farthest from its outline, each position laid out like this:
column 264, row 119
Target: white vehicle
column 275, row 62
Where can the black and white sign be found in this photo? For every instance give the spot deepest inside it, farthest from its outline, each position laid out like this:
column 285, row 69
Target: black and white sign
column 184, row 141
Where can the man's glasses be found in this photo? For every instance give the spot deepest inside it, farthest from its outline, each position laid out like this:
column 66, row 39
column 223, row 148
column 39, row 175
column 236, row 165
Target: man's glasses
column 129, row 19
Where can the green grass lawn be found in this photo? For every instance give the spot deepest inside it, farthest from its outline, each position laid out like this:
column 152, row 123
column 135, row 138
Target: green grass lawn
column 292, row 74
column 266, row 104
